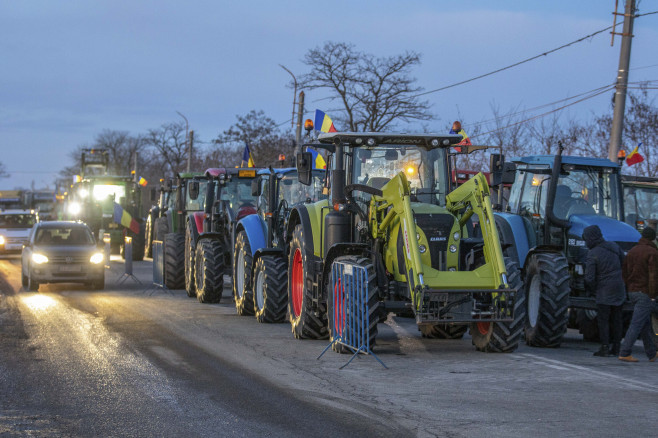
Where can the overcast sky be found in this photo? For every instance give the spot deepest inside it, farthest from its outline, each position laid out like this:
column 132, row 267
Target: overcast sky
column 70, row 69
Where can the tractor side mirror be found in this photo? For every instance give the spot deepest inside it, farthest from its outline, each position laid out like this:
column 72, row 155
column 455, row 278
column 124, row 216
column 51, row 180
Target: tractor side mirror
column 256, row 186
column 509, row 173
column 304, row 167
column 154, row 194
column 193, row 190
column 496, row 164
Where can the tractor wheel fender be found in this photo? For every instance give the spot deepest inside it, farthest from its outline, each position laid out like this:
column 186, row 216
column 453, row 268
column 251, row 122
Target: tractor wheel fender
column 299, row 215
column 513, row 234
column 195, row 222
column 254, row 226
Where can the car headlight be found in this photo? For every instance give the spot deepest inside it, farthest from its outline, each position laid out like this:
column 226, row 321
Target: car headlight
column 74, row 208
column 97, row 258
column 2, row 240
column 39, row 259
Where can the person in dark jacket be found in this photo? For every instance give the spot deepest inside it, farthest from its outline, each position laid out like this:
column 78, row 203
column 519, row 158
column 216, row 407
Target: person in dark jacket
column 640, row 271
column 603, row 275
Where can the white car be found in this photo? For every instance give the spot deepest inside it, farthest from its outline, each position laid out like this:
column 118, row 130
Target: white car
column 15, row 226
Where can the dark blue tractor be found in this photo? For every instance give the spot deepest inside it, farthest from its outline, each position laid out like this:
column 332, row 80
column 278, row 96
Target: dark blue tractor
column 260, row 265
column 552, row 200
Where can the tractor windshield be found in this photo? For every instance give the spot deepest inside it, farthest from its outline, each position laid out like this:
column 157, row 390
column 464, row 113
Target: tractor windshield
column 587, row 190
column 425, row 169
column 641, row 203
column 293, row 192
column 237, row 191
column 198, row 203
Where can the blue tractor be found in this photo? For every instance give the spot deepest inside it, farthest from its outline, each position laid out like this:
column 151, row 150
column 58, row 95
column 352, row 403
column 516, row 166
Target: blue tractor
column 552, row 200
column 260, row 265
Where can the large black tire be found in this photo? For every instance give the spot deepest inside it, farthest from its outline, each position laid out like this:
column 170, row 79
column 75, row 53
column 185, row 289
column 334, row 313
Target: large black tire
column 503, row 337
column 148, row 237
column 588, row 326
column 24, row 280
column 190, row 286
column 340, row 326
column 242, row 268
column 304, row 322
column 270, row 289
column 138, row 243
column 98, row 284
column 161, row 228
column 209, row 272
column 174, row 259
column 32, row 285
column 443, row 331
column 547, row 296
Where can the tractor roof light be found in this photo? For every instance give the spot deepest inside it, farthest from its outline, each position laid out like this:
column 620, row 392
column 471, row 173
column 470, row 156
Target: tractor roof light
column 308, row 125
column 434, row 142
column 339, row 207
column 370, row 142
column 621, row 154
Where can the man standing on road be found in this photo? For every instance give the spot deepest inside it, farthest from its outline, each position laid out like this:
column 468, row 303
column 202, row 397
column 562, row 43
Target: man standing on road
column 640, row 270
column 603, row 274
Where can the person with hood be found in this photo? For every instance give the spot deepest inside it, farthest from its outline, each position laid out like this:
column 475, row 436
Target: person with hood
column 640, row 270
column 603, row 276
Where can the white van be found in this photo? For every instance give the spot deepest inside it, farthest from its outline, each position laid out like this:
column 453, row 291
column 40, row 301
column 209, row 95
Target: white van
column 15, row 226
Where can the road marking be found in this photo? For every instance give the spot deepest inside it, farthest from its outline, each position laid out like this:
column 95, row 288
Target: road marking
column 613, row 378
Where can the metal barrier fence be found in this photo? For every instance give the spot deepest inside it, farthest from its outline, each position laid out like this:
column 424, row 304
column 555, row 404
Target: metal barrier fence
column 351, row 315
column 158, row 263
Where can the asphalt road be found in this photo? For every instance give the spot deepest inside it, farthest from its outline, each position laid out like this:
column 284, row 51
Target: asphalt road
column 138, row 361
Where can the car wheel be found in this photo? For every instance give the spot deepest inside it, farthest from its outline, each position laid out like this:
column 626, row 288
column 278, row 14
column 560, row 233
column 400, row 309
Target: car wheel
column 31, row 284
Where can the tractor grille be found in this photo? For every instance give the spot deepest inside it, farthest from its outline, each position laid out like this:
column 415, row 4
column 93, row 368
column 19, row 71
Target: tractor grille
column 437, row 229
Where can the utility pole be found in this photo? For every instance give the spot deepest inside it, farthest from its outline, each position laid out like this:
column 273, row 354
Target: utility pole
column 135, row 168
column 187, row 139
column 189, row 149
column 622, row 80
column 300, row 116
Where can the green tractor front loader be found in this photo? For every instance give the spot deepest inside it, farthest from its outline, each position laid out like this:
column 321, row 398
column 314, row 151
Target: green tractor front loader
column 393, row 216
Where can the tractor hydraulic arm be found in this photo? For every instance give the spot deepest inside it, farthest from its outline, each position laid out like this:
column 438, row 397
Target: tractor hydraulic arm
column 473, row 197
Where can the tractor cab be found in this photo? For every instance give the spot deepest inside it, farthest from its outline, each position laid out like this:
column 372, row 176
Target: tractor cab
column 640, row 201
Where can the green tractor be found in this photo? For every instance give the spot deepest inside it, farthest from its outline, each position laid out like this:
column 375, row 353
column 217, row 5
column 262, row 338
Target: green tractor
column 392, row 213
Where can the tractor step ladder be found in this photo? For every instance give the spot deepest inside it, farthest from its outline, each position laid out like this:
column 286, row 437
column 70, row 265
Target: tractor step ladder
column 349, row 284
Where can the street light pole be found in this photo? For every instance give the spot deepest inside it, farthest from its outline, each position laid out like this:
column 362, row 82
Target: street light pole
column 187, row 141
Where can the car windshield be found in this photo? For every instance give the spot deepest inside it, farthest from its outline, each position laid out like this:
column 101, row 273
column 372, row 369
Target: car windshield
column 69, row 236
column 237, row 192
column 640, row 203
column 293, row 192
column 425, row 169
column 17, row 220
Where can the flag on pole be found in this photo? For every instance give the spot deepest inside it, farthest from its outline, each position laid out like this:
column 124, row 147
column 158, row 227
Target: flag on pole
column 323, row 123
column 318, row 159
column 465, row 140
column 124, row 218
column 142, row 181
column 634, row 157
column 247, row 159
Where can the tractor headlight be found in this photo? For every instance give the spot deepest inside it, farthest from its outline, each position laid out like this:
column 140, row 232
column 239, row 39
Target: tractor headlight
column 422, row 249
column 83, row 193
column 455, row 236
column 97, row 258
column 74, row 208
column 2, row 240
column 452, row 248
column 417, row 236
column 39, row 259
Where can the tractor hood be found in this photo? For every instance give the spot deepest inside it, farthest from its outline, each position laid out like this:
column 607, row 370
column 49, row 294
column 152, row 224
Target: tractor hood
column 613, row 230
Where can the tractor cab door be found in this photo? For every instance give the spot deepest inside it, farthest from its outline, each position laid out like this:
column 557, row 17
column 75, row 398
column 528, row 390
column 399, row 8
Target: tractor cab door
column 528, row 200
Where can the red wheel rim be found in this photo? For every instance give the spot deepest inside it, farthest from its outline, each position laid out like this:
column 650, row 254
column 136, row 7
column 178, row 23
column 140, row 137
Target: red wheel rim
column 339, row 308
column 483, row 327
column 297, row 282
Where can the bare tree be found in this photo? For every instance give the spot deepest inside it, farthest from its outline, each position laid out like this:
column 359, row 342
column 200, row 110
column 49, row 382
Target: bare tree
column 121, row 147
column 262, row 134
column 375, row 93
column 3, row 171
column 170, row 143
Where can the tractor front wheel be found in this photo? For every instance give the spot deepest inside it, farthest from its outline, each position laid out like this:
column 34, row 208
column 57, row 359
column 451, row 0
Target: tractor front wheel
column 503, row 337
column 443, row 331
column 209, row 271
column 270, row 288
column 242, row 264
column 547, row 295
column 305, row 322
column 174, row 255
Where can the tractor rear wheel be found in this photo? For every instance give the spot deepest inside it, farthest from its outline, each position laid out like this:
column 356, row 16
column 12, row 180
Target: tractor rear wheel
column 190, row 287
column 242, row 287
column 305, row 323
column 547, row 296
column 503, row 337
column 349, row 317
column 209, row 272
column 270, row 288
column 174, row 255
column 161, row 228
column 443, row 331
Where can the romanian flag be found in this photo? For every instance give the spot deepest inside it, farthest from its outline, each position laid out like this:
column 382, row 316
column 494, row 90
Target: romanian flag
column 247, row 159
column 142, row 181
column 465, row 140
column 124, row 218
column 323, row 123
column 634, row 157
column 318, row 159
